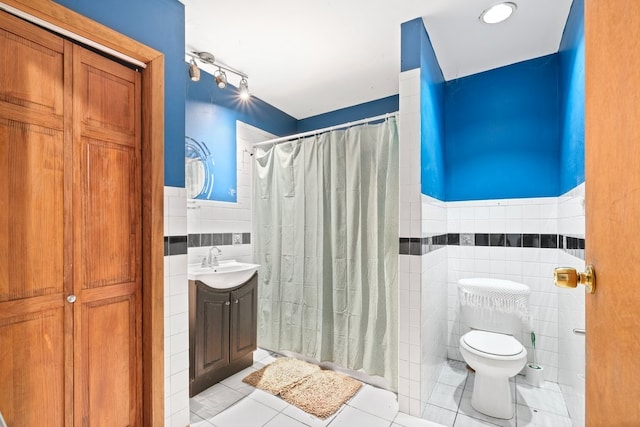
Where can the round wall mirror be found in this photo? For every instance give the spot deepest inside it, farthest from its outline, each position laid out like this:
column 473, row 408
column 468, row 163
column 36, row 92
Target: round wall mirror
column 198, row 169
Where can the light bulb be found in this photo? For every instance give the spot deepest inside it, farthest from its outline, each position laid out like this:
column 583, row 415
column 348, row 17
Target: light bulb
column 221, row 79
column 243, row 89
column 194, row 71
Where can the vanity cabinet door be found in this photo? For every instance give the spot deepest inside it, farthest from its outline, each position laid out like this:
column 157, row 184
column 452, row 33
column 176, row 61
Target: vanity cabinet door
column 211, row 331
column 244, row 319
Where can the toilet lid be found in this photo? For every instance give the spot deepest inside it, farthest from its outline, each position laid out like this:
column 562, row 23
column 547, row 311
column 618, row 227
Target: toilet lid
column 492, row 343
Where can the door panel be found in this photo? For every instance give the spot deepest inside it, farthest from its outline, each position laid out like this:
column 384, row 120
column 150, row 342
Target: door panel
column 212, row 331
column 612, row 169
column 244, row 311
column 108, row 95
column 32, row 368
column 109, row 339
column 108, row 239
column 110, row 229
column 33, row 79
column 31, row 167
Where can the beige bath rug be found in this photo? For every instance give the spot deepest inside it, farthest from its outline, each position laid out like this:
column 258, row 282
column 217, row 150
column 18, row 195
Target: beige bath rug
column 280, row 375
column 322, row 393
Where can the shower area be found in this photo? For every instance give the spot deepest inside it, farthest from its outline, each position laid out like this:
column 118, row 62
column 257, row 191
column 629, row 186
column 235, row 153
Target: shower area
column 325, row 232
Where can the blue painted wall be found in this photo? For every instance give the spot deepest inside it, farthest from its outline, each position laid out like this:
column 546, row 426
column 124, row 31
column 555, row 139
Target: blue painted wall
column 411, row 38
column 160, row 25
column 417, row 52
column 211, row 115
column 344, row 115
column 432, row 121
column 502, row 132
column 571, row 84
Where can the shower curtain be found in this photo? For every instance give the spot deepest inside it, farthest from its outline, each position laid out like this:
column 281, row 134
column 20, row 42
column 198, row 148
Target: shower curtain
column 326, row 236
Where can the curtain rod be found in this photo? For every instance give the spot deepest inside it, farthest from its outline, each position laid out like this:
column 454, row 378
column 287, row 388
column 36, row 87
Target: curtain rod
column 276, row 141
column 73, row 36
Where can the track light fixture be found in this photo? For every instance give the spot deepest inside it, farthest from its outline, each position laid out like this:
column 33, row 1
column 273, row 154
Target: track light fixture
column 194, row 71
column 221, row 78
column 220, row 75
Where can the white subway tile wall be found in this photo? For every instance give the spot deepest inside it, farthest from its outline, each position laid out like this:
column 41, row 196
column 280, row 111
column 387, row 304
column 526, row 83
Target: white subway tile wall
column 571, row 310
column 571, row 220
column 433, row 325
column 410, row 267
column 176, row 314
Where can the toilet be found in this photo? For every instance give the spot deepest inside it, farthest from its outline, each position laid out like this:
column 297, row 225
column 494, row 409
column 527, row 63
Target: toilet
column 493, row 312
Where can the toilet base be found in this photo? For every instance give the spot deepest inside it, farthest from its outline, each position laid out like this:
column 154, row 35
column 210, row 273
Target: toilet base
column 492, row 396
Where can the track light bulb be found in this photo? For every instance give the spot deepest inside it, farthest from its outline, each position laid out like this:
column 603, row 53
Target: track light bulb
column 244, row 89
column 221, row 78
column 194, row 71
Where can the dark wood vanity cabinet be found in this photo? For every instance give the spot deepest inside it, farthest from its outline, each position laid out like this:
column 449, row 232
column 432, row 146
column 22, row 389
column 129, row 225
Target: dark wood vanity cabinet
column 222, row 332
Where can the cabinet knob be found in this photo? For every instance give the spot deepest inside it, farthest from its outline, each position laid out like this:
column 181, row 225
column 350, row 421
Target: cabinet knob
column 236, row 301
column 227, row 303
column 71, row 299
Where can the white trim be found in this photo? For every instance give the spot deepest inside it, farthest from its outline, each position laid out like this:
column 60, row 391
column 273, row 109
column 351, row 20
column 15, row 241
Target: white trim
column 71, row 35
column 327, row 129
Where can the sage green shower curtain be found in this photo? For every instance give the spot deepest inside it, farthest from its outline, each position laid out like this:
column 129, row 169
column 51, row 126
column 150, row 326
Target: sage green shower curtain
column 326, row 235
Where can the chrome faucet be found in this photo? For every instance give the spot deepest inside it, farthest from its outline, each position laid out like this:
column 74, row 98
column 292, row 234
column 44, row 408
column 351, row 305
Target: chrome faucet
column 212, row 260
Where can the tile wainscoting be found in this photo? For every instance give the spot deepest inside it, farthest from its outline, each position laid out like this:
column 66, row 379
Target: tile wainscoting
column 176, row 309
column 423, row 245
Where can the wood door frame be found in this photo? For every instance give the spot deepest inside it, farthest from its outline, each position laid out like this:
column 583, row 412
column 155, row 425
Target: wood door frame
column 152, row 188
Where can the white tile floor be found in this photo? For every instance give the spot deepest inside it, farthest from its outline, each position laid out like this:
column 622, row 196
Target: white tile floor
column 450, row 402
column 232, row 403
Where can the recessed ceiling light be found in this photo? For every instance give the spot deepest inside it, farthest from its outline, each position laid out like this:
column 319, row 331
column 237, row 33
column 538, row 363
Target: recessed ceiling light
column 498, row 13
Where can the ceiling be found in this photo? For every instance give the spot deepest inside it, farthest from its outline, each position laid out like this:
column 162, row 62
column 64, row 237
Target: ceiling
column 315, row 56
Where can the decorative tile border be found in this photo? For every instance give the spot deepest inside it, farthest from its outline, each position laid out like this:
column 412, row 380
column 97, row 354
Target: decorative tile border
column 218, row 239
column 572, row 245
column 421, row 246
column 175, row 245
column 424, row 245
column 178, row 245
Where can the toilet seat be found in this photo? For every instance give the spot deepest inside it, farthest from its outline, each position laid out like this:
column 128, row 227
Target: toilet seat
column 492, row 343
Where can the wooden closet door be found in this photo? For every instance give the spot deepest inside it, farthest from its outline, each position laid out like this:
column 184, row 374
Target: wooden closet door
column 35, row 260
column 107, row 241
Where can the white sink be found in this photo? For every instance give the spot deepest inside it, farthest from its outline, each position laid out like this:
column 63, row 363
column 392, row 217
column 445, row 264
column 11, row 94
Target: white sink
column 228, row 274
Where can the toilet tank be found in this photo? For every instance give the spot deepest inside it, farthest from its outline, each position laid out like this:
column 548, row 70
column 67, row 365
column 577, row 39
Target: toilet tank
column 494, row 305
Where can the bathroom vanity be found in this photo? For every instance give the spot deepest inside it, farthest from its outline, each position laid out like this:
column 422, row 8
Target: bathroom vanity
column 222, row 331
